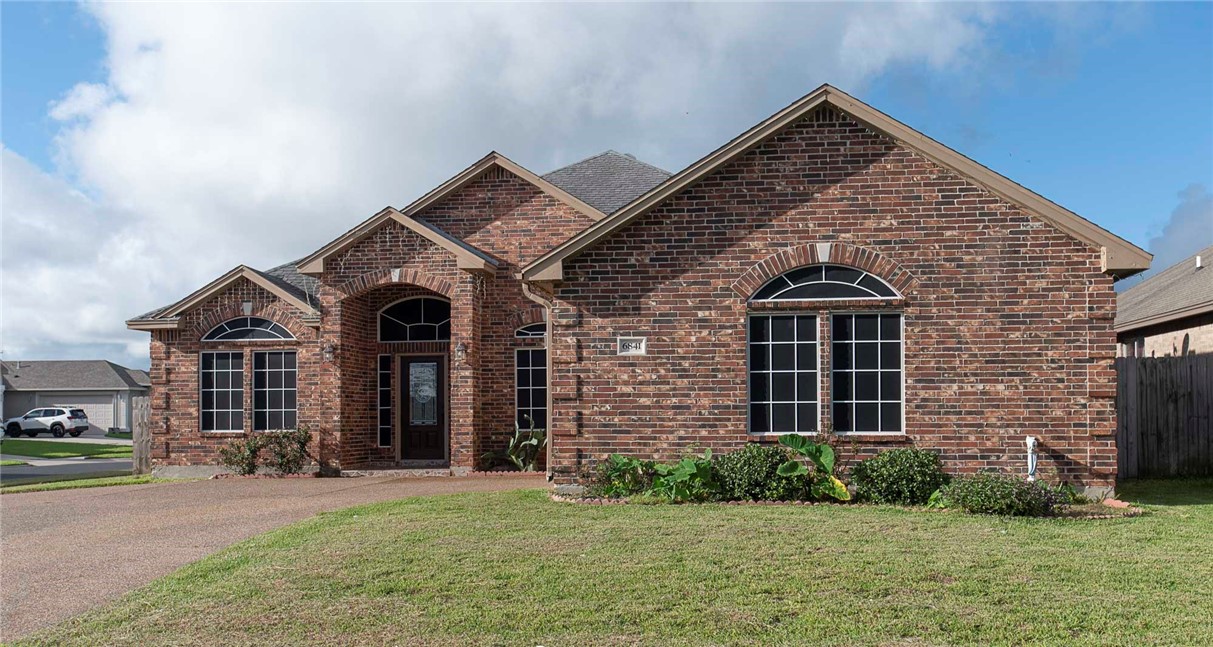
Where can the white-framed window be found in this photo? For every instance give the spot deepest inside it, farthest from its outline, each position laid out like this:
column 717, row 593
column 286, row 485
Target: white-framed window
column 384, row 400
column 222, row 390
column 867, row 378
column 530, row 331
column 247, row 328
column 275, row 392
column 531, row 387
column 824, row 282
column 783, row 373
column 416, row 319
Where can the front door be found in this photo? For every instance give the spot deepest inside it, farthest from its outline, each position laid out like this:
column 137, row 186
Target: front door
column 423, row 416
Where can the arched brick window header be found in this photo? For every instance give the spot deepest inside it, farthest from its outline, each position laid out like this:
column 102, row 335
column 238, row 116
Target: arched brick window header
column 372, row 280
column 527, row 316
column 274, row 312
column 834, row 253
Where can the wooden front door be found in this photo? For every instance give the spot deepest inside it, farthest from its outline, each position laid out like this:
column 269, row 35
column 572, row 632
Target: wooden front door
column 423, row 416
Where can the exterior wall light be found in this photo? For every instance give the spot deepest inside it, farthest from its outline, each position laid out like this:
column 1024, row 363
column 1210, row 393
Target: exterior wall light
column 330, row 351
column 461, row 352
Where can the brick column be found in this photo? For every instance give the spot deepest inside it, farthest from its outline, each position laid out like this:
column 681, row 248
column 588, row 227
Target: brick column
column 466, row 425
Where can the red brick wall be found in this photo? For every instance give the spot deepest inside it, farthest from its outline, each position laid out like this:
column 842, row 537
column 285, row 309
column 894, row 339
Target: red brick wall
column 500, row 214
column 177, row 438
column 1008, row 321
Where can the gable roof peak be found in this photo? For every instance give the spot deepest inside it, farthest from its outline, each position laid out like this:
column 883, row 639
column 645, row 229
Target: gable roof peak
column 1119, row 257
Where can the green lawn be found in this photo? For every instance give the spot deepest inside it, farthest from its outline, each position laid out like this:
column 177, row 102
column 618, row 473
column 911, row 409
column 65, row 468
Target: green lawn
column 56, row 449
column 76, row 482
column 11, row 462
column 518, row 569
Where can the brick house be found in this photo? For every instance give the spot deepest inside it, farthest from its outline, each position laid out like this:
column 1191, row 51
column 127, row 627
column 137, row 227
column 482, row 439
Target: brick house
column 829, row 270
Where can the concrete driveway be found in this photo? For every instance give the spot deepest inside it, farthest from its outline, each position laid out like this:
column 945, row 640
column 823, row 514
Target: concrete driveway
column 64, row 552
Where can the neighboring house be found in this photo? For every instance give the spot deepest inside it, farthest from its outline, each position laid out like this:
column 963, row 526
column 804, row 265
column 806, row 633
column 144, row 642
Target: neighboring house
column 1170, row 313
column 103, row 389
column 829, row 270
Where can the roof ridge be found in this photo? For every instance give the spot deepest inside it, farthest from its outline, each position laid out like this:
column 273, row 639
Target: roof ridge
column 609, row 151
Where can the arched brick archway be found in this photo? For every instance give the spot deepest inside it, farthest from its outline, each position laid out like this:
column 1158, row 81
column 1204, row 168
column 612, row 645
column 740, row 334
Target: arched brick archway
column 862, row 258
column 371, row 280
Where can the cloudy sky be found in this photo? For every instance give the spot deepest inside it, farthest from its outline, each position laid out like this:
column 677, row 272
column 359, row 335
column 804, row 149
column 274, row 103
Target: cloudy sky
column 148, row 148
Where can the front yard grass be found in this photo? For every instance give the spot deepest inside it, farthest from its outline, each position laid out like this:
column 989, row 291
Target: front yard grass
column 516, row 568
column 56, row 449
column 11, row 462
column 81, row 481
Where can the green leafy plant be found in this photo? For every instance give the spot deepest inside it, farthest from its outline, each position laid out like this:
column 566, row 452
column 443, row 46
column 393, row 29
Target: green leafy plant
column 938, row 501
column 904, row 476
column 243, row 457
column 288, row 449
column 690, row 479
column 822, row 482
column 752, row 474
column 1003, row 495
column 622, row 476
column 524, row 449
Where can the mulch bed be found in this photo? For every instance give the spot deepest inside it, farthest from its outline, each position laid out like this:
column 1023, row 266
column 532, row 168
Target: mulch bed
column 305, row 475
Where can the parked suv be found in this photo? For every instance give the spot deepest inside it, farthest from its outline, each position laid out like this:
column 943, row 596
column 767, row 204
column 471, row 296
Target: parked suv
column 58, row 420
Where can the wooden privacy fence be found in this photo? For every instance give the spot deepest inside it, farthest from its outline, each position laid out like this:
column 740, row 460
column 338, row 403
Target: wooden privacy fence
column 1164, row 414
column 141, row 434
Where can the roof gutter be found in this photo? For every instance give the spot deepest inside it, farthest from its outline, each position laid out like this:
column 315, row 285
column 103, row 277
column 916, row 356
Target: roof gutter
column 1153, row 320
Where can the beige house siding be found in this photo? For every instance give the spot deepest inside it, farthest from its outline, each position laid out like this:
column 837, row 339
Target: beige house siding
column 1187, row 336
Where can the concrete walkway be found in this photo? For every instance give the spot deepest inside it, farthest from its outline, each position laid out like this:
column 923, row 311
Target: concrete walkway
column 68, row 551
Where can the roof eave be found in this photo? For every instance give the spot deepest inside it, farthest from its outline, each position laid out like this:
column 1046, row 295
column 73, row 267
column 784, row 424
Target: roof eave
column 1165, row 317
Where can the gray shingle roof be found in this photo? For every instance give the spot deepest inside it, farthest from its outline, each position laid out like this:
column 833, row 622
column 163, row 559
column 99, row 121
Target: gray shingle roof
column 608, row 181
column 1182, row 289
column 285, row 276
column 50, row 375
column 458, row 241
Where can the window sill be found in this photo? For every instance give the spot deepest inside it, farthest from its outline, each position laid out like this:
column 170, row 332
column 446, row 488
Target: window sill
column 875, row 437
column 865, row 437
column 223, row 433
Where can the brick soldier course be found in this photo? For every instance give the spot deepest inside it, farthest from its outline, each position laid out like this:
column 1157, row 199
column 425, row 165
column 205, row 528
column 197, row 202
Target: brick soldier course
column 1000, row 304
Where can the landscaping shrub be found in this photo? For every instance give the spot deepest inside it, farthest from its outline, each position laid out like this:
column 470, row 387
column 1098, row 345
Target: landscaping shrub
column 622, row 476
column 899, row 476
column 822, row 483
column 752, row 474
column 524, row 450
column 1002, row 495
column 690, row 479
column 288, row 449
column 243, row 456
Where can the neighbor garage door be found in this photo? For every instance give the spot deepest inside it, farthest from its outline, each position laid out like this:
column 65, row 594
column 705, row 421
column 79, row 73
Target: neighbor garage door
column 98, row 406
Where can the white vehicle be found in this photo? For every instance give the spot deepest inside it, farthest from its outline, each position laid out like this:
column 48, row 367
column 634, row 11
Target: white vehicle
column 58, row 420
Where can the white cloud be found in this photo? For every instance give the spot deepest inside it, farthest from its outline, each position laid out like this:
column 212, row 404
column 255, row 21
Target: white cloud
column 255, row 132
column 83, row 100
column 1189, row 229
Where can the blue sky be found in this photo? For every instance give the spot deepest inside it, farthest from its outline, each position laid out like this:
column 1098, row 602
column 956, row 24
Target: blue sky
column 1104, row 109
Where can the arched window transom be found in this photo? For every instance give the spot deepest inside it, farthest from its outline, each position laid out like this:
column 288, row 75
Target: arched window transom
column 535, row 330
column 247, row 328
column 822, row 282
column 416, row 319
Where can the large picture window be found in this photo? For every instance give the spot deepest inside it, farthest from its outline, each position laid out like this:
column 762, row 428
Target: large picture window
column 531, row 387
column 274, row 390
column 783, row 373
column 866, row 380
column 416, row 319
column 222, row 391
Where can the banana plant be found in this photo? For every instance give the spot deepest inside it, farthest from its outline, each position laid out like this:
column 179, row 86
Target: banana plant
column 822, row 481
